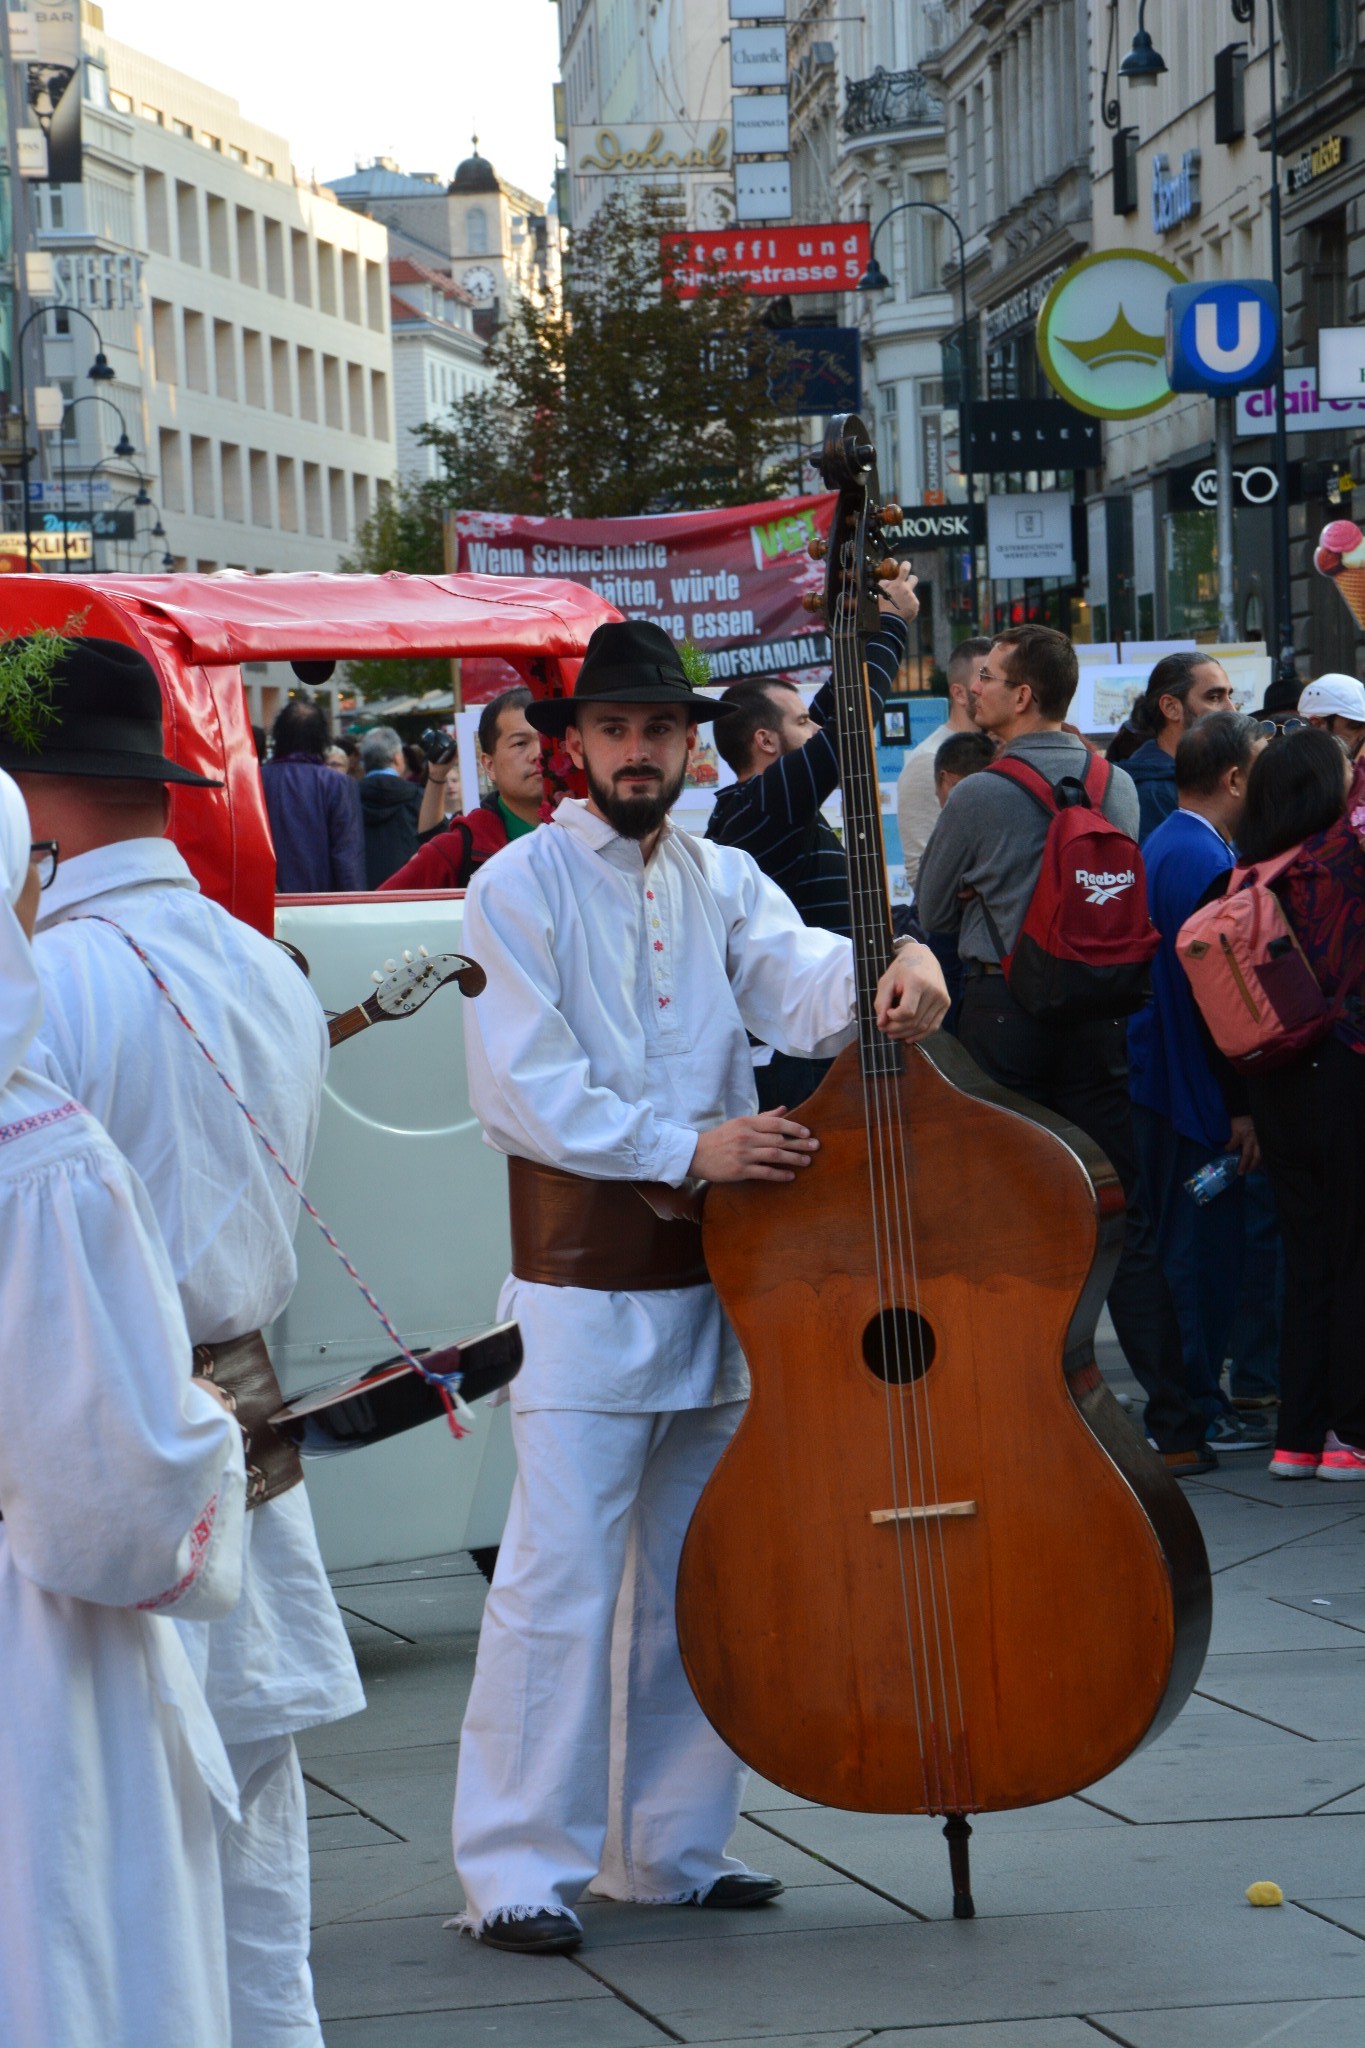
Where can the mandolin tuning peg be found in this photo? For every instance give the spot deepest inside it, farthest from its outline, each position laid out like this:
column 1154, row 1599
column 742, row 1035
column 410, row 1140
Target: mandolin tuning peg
column 891, row 515
column 422, row 953
column 818, row 548
column 390, row 967
column 812, row 602
column 376, row 977
column 407, row 957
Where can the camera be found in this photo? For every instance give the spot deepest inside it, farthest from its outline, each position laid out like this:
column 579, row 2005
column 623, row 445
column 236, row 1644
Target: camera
column 438, row 746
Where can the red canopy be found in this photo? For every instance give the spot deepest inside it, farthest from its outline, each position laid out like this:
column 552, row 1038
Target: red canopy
column 197, row 630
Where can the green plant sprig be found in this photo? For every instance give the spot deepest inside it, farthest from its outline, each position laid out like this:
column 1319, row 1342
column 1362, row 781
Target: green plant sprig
column 28, row 680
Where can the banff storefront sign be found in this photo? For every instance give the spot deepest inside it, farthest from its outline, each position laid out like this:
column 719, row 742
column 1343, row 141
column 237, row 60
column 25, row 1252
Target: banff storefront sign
column 730, row 581
column 1175, row 194
column 828, row 257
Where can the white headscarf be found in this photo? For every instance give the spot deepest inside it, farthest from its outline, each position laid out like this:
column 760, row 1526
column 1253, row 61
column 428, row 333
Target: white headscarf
column 21, row 1005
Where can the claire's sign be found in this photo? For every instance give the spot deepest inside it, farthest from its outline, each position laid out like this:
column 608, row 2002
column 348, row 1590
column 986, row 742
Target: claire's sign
column 730, row 581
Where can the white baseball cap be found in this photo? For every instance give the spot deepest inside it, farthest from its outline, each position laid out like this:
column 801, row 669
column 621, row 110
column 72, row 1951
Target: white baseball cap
column 1334, row 697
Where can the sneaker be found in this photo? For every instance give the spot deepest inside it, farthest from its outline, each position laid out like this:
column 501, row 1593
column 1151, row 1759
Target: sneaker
column 1339, row 1460
column 1231, row 1433
column 1189, row 1464
column 1248, row 1404
column 1295, row 1464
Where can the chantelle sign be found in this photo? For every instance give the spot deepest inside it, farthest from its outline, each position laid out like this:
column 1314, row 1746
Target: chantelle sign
column 829, row 257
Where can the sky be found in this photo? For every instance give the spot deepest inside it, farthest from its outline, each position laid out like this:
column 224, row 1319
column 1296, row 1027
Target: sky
column 347, row 82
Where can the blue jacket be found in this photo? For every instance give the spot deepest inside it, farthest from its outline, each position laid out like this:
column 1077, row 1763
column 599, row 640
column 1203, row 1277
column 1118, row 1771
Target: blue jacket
column 1168, row 1068
column 315, row 823
column 1153, row 770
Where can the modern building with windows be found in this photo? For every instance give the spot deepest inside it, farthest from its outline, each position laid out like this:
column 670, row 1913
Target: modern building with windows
column 438, row 359
column 245, row 313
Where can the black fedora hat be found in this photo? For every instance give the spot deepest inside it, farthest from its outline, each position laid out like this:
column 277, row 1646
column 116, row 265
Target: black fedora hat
column 629, row 661
column 106, row 723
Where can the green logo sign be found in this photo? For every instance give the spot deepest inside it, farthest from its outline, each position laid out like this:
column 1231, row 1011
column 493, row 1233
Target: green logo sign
column 1102, row 333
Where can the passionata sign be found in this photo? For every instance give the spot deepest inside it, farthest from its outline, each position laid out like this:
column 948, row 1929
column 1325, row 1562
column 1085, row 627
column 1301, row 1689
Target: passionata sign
column 730, row 581
column 829, row 257
column 1102, row 333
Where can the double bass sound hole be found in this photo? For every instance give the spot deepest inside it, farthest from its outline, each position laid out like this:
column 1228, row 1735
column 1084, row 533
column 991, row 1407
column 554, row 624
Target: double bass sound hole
column 898, row 1346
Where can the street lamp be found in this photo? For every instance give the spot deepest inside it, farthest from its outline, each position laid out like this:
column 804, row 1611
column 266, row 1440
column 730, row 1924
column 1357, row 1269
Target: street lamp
column 1143, row 65
column 101, row 371
column 875, row 279
column 123, row 449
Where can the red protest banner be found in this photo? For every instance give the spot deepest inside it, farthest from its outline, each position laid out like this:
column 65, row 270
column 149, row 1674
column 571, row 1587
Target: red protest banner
column 730, row 581
column 829, row 257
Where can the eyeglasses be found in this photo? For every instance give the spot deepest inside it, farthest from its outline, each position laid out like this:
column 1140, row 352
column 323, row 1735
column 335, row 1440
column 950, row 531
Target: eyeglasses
column 45, row 854
column 1274, row 728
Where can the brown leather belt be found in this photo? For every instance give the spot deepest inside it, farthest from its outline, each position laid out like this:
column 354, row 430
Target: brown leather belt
column 568, row 1231
column 241, row 1369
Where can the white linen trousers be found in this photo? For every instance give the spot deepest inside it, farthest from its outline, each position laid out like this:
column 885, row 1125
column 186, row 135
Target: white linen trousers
column 264, row 1861
column 584, row 1758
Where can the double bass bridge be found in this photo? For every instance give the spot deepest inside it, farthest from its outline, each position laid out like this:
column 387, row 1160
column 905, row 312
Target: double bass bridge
column 934, row 1511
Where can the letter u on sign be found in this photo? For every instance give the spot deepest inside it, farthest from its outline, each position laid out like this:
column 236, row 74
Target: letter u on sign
column 1244, row 350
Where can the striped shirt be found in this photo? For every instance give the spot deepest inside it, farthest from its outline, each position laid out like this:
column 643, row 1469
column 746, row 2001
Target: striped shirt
column 776, row 817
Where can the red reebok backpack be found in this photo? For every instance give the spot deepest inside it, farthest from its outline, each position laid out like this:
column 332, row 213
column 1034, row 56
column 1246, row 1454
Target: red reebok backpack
column 1087, row 941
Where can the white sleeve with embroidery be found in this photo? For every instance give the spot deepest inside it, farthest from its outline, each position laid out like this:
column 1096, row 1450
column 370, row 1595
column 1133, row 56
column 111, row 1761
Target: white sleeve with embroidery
column 120, row 1481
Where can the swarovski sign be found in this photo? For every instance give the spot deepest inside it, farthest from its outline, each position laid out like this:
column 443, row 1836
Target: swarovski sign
column 1175, row 196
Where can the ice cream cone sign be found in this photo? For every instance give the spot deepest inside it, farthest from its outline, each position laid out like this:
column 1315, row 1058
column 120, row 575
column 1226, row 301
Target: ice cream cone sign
column 1340, row 556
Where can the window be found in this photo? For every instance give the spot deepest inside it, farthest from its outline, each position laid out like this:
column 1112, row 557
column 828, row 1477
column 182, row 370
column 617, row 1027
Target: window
column 121, row 102
column 350, row 286
column 184, row 128
column 172, row 469
column 312, row 499
column 889, row 434
column 1319, row 38
column 274, row 257
column 374, row 296
column 196, row 353
column 220, row 255
column 280, row 381
column 163, row 342
column 234, row 504
column 261, row 514
column 201, row 476
column 248, row 263
column 187, row 220
column 158, row 215
column 327, row 278
column 154, row 115
column 286, row 477
column 239, row 156
column 476, row 231
column 303, row 282
column 379, row 405
column 333, row 411
column 308, row 384
column 224, row 359
column 336, row 491
column 360, row 499
column 355, row 393
column 213, row 142
column 264, row 167
column 253, row 367
column 1326, row 275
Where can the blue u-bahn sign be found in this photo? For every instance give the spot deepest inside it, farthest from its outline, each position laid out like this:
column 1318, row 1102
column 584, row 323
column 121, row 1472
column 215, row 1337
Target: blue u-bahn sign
column 1222, row 337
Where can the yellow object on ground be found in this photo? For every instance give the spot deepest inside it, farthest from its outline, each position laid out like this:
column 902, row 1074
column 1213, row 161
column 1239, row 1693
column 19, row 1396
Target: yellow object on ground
column 1264, row 1893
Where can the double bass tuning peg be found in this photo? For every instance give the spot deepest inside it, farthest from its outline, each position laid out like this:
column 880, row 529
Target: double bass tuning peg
column 812, row 602
column 818, row 548
column 891, row 515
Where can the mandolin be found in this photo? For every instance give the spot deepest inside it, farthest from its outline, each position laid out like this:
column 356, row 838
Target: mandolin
column 404, row 989
column 936, row 1570
column 368, row 1408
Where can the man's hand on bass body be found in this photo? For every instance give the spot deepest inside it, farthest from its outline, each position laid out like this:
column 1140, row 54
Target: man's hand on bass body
column 912, row 997
column 764, row 1147
column 897, row 594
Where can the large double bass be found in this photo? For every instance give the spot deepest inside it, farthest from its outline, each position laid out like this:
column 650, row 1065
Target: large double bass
column 937, row 1570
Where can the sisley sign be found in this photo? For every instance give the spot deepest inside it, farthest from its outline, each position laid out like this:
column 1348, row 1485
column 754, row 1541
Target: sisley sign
column 1304, row 411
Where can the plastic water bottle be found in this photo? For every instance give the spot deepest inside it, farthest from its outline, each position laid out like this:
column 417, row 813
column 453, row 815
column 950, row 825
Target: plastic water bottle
column 1214, row 1177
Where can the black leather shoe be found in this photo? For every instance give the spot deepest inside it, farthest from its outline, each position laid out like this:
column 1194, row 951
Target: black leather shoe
column 742, row 1888
column 1190, row 1464
column 539, row 1934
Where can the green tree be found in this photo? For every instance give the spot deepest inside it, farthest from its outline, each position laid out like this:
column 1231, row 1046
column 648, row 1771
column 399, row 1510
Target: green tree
column 620, row 398
column 405, row 531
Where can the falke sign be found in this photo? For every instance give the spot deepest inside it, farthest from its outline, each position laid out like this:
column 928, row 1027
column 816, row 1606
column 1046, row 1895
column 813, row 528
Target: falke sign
column 826, row 258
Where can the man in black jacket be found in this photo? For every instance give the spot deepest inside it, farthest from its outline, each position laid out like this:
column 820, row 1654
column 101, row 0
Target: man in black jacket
column 389, row 803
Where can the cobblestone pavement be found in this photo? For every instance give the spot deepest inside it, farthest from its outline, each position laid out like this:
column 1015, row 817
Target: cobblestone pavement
column 1115, row 1916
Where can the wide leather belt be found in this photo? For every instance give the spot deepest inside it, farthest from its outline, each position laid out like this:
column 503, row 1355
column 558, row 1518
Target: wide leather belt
column 568, row 1231
column 241, row 1369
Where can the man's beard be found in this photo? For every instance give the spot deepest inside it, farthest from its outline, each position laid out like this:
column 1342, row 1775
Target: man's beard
column 635, row 817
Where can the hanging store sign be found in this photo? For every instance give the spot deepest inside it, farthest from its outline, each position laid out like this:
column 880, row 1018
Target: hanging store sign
column 762, row 123
column 763, row 189
column 47, row 547
column 52, row 87
column 1341, row 362
column 758, row 56
column 925, row 527
column 1028, row 533
column 1194, row 486
column 1175, row 195
column 1304, row 411
column 1033, row 433
column 825, row 258
column 105, row 281
column 1319, row 160
column 1102, row 333
column 815, row 370
column 641, row 148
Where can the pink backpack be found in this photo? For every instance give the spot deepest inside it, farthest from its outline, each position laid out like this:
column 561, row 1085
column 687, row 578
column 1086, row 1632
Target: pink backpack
column 1249, row 975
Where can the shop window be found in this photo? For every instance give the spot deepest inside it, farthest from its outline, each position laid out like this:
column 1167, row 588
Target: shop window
column 1325, row 277
column 1319, row 38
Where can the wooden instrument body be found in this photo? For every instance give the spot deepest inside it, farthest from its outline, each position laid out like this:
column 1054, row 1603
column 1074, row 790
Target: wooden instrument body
column 997, row 1657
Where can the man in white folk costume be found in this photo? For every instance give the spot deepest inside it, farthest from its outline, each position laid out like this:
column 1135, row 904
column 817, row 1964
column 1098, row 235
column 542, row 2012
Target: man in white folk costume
column 122, row 1492
column 626, row 961
column 281, row 1661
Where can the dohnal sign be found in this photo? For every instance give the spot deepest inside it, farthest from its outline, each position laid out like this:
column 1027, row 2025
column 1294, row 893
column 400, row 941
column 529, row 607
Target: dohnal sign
column 730, row 581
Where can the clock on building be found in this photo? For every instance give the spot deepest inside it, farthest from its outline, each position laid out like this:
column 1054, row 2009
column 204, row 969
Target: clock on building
column 480, row 282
